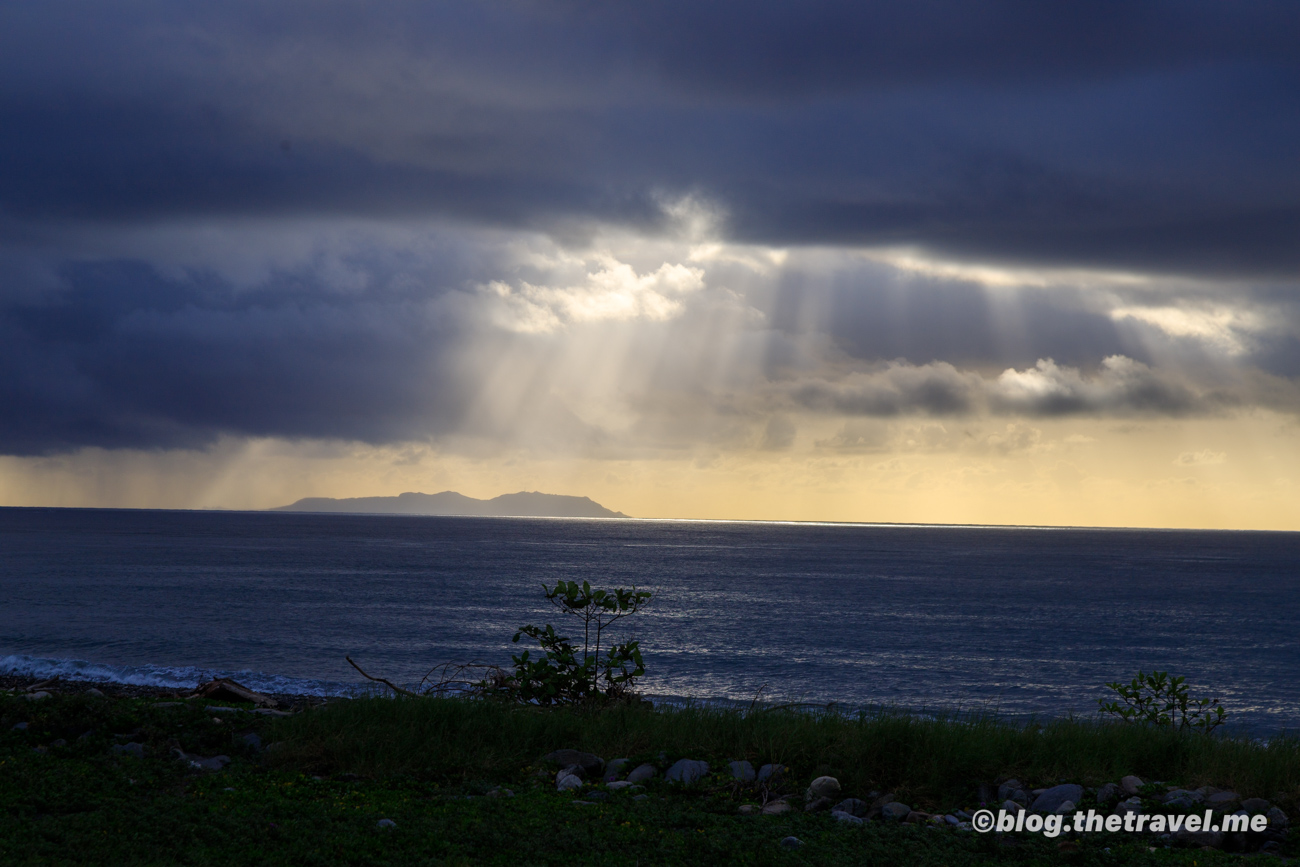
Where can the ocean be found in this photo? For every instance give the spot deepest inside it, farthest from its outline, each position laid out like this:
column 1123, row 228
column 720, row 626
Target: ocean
column 1019, row 621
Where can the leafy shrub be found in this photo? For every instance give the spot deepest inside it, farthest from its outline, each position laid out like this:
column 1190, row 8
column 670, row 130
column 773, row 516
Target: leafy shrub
column 563, row 675
column 1159, row 699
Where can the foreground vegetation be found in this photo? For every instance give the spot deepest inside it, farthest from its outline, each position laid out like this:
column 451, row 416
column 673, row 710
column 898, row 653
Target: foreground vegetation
column 439, row 771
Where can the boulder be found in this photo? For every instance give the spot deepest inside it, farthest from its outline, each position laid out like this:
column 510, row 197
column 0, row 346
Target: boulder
column 615, row 785
column 1050, row 800
column 847, row 818
column 252, row 739
column 131, row 749
column 614, row 769
column 791, row 843
column 823, row 787
column 1009, row 788
column 742, row 771
column 224, row 689
column 641, row 773
column 216, row 763
column 1277, row 820
column 385, row 823
column 1255, row 805
column 748, row 809
column 1065, row 809
column 1130, row 785
column 916, row 817
column 894, row 811
column 770, row 774
column 1011, row 807
column 1107, row 793
column 686, row 771
column 1132, row 805
column 1213, row 839
column 591, row 765
column 853, row 806
column 817, row 805
column 568, row 783
column 94, row 693
column 1226, row 801
column 776, row 808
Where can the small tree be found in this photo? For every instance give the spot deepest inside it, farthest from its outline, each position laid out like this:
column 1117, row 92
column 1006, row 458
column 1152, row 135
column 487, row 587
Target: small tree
column 1159, row 699
column 560, row 675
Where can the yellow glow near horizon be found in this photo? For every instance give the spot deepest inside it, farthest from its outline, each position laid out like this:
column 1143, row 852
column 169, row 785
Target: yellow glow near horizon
column 1239, row 473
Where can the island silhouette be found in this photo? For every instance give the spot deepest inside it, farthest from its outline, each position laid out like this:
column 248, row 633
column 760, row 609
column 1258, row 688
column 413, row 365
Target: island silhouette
column 524, row 504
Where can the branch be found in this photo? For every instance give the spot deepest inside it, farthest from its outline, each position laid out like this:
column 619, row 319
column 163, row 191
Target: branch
column 385, row 681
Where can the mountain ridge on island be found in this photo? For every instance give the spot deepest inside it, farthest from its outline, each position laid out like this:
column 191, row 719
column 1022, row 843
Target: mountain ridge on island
column 524, row 504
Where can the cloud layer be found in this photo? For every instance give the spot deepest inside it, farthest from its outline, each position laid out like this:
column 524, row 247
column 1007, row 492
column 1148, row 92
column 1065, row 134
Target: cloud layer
column 636, row 230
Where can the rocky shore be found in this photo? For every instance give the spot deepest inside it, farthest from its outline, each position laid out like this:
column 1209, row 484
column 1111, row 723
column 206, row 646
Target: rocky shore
column 591, row 779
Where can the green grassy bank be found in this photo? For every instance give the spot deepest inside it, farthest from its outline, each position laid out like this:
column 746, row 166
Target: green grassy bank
column 438, row 769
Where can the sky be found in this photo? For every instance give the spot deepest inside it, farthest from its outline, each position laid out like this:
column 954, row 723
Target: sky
column 999, row 262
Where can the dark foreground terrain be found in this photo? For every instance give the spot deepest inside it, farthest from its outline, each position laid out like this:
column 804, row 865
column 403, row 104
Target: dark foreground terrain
column 143, row 776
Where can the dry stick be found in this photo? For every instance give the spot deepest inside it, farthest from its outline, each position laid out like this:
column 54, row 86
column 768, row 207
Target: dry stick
column 755, row 701
column 385, row 681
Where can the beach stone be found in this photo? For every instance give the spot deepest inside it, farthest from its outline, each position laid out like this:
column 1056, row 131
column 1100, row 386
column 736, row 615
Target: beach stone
column 386, row 823
column 215, row 708
column 1130, row 785
column 1132, row 805
column 686, row 771
column 748, row 809
column 1050, row 800
column 853, row 806
column 616, row 785
column 216, row 763
column 591, row 765
column 252, row 739
column 570, row 771
column 770, row 773
column 916, row 817
column 1009, row 788
column 38, row 696
column 818, row 805
column 742, row 771
column 952, row 820
column 131, row 749
column 1277, row 819
column 776, row 808
column 1107, row 793
column 94, row 693
column 894, row 811
column 1255, row 805
column 1065, row 809
column 1213, row 839
column 568, row 783
column 641, row 773
column 1222, row 800
column 1011, row 806
column 20, row 727
column 823, row 787
column 848, row 818
column 791, row 843
column 614, row 769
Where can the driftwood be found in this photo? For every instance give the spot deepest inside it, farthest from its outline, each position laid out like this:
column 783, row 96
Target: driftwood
column 449, row 678
column 224, row 689
column 44, row 684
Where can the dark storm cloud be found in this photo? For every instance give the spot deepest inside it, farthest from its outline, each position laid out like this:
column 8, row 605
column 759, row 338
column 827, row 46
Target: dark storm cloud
column 1147, row 137
column 1150, row 135
column 125, row 358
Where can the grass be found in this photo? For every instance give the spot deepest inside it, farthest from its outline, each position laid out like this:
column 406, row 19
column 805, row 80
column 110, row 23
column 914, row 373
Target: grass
column 428, row 765
column 936, row 761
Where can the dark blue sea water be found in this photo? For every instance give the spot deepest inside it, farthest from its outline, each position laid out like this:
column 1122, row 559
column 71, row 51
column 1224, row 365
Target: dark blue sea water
column 1020, row 620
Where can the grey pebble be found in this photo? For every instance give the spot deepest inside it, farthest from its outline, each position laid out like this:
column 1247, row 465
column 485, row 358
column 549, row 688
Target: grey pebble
column 791, row 843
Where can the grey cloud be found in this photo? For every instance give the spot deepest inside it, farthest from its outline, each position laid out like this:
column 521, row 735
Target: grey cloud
column 1119, row 387
column 1156, row 137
